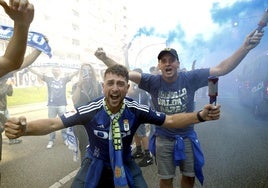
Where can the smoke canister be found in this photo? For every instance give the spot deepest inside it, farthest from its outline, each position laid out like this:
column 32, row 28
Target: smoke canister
column 213, row 89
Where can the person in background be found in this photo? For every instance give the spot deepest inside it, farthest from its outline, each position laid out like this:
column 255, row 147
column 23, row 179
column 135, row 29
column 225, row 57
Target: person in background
column 85, row 90
column 110, row 121
column 173, row 92
column 22, row 13
column 141, row 138
column 6, row 90
column 153, row 70
column 57, row 100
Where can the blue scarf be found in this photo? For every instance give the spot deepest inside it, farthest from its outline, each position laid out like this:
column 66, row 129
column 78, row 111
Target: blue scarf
column 115, row 148
column 93, row 175
column 35, row 40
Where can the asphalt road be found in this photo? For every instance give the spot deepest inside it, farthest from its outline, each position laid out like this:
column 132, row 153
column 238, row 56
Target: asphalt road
column 235, row 149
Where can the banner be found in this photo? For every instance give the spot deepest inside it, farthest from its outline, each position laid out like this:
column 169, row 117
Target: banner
column 35, row 40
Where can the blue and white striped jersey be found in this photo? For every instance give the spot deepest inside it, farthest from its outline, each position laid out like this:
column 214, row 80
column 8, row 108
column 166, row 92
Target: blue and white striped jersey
column 97, row 123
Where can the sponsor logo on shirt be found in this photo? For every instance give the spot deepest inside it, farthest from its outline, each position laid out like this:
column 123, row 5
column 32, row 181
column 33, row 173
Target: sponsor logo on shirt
column 70, row 113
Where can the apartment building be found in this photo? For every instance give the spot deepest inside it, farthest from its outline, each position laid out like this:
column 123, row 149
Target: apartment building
column 76, row 28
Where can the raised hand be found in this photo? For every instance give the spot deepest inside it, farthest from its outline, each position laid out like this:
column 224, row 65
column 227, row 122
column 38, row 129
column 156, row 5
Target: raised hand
column 21, row 11
column 252, row 40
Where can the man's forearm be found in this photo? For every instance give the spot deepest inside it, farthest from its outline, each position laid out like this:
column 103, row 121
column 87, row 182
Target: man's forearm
column 17, row 46
column 233, row 61
column 101, row 55
column 108, row 61
column 42, row 127
column 227, row 65
column 180, row 120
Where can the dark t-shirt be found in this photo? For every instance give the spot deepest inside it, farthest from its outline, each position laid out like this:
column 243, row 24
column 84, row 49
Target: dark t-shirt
column 56, row 90
column 176, row 97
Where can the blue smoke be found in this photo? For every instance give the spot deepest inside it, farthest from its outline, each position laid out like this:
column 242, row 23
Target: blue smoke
column 239, row 10
column 246, row 14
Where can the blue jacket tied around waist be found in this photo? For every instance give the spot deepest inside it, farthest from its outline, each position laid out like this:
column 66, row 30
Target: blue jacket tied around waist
column 179, row 148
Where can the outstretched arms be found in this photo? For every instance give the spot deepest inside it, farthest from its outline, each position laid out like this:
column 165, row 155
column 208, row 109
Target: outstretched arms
column 16, row 127
column 71, row 75
column 40, row 75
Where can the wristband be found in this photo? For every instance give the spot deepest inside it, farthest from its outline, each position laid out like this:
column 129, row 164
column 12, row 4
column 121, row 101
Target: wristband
column 199, row 117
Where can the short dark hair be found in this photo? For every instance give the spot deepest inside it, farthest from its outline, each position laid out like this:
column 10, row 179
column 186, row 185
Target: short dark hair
column 119, row 70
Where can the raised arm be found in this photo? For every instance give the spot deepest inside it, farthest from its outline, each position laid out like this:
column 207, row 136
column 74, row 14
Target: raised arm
column 76, row 93
column 17, row 127
column 193, row 65
column 40, row 75
column 231, row 62
column 101, row 55
column 29, row 59
column 71, row 75
column 182, row 120
column 22, row 13
column 76, row 89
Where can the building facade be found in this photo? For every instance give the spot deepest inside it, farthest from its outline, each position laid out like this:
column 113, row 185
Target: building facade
column 76, row 28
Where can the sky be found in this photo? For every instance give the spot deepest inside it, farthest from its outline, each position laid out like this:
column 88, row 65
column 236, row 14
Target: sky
column 201, row 30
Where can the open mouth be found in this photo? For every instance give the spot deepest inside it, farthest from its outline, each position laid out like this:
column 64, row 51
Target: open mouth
column 114, row 97
column 168, row 70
